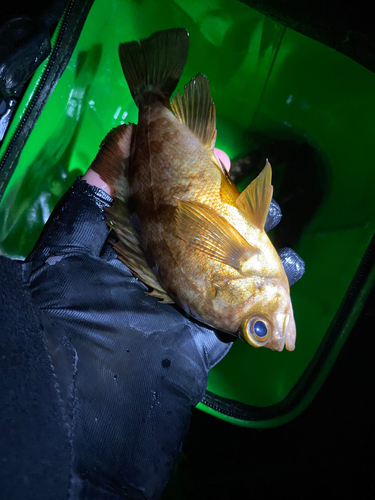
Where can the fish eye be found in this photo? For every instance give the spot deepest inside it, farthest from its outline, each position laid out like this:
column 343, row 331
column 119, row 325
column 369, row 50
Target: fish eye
column 256, row 331
column 260, row 329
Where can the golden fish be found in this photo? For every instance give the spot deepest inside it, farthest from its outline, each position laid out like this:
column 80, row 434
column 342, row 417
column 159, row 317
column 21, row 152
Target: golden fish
column 184, row 229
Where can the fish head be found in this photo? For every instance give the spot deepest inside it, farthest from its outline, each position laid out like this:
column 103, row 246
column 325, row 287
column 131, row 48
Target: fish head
column 269, row 320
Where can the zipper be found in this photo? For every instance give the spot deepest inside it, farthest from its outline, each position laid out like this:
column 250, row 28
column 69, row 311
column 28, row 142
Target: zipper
column 46, row 67
column 79, row 9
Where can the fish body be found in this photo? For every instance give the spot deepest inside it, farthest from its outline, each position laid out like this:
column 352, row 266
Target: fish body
column 200, row 243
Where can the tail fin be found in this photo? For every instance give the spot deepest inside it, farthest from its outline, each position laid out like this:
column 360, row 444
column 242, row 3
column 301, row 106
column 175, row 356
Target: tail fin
column 156, row 63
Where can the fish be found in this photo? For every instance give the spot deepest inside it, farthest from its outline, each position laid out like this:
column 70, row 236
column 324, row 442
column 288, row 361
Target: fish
column 183, row 227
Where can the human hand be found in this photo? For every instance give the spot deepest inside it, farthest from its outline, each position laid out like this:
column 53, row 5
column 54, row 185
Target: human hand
column 128, row 368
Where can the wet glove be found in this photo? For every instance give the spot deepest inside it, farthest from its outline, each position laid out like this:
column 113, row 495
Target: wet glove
column 128, row 369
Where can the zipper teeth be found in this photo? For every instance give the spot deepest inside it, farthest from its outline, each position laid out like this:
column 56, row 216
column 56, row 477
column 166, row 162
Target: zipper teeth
column 348, row 302
column 41, row 83
column 224, row 412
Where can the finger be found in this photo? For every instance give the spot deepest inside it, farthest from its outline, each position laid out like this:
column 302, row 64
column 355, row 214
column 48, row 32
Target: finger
column 94, row 179
column 273, row 216
column 294, row 265
column 114, row 153
column 223, row 157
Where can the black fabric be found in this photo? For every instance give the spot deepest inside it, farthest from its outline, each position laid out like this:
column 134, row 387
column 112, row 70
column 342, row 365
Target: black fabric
column 294, row 266
column 27, row 44
column 126, row 369
column 273, row 217
column 347, row 27
column 327, row 452
column 34, row 442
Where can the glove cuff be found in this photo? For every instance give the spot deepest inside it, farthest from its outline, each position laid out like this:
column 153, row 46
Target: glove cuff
column 100, row 197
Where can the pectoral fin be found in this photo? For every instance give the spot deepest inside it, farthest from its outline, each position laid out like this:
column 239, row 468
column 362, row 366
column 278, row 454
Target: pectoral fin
column 210, row 233
column 255, row 200
column 196, row 110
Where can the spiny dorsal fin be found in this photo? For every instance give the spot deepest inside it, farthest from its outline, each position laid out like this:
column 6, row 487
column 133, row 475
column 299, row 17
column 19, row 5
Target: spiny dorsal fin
column 155, row 64
column 196, row 110
column 130, row 251
column 255, row 200
column 209, row 232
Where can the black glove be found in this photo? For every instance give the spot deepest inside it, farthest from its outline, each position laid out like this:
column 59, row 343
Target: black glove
column 128, row 369
column 294, row 266
column 138, row 365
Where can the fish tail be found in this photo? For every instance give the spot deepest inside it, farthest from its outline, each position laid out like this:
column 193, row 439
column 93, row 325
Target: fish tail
column 156, row 63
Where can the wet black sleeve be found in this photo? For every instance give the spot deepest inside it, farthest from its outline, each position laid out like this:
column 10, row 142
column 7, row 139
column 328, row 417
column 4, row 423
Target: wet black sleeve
column 34, row 441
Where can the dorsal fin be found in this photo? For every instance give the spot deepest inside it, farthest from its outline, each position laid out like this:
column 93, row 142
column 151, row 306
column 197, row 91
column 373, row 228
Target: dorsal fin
column 255, row 200
column 196, row 110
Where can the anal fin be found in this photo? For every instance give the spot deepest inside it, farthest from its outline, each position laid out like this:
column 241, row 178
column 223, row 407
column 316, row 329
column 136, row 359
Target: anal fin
column 130, row 252
column 111, row 164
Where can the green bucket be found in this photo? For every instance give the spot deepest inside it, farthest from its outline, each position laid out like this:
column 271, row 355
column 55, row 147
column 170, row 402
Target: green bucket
column 278, row 94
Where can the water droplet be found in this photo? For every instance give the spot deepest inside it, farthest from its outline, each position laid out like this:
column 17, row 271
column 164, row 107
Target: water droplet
column 115, row 377
column 118, row 111
column 165, row 363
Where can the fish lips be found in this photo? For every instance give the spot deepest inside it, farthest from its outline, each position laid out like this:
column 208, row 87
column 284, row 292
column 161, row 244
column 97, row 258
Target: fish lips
column 284, row 334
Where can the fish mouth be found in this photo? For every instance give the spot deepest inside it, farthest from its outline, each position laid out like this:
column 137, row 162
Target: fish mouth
column 290, row 341
column 285, row 334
